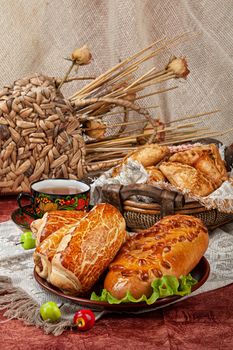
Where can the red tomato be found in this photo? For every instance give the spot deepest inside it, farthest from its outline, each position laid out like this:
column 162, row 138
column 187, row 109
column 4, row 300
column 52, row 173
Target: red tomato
column 84, row 319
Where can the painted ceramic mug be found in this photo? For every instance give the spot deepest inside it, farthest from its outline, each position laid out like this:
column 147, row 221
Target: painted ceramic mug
column 55, row 194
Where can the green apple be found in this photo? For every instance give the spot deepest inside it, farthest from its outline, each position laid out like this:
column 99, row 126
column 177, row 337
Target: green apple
column 27, row 240
column 50, row 311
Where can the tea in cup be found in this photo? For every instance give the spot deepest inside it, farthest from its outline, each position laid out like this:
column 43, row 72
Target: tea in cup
column 56, row 194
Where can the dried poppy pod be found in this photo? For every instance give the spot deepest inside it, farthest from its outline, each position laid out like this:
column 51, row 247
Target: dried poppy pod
column 95, row 129
column 131, row 97
column 81, row 56
column 178, row 66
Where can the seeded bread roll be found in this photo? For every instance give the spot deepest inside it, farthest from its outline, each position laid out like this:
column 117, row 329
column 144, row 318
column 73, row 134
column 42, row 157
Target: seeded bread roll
column 173, row 246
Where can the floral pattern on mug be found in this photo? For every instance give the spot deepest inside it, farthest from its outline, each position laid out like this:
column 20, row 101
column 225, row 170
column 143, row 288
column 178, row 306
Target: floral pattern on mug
column 42, row 202
column 46, row 202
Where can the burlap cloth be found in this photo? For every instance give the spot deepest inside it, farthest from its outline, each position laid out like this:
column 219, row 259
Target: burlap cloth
column 37, row 34
column 21, row 296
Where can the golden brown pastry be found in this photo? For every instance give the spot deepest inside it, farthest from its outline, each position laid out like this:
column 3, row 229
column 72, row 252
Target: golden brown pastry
column 52, row 221
column 154, row 174
column 206, row 159
column 187, row 177
column 46, row 250
column 173, row 246
column 87, row 250
column 146, row 155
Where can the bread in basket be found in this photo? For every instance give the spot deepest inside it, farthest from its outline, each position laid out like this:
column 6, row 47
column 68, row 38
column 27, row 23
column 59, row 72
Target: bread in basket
column 193, row 172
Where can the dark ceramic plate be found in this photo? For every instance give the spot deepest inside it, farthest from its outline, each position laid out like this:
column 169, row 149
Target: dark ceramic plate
column 200, row 273
column 23, row 219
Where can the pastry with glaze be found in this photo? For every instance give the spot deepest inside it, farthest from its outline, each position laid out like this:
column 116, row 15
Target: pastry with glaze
column 53, row 221
column 46, row 250
column 87, row 249
column 173, row 246
column 154, row 174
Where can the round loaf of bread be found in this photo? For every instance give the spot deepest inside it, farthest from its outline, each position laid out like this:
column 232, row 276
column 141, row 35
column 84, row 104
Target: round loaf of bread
column 173, row 246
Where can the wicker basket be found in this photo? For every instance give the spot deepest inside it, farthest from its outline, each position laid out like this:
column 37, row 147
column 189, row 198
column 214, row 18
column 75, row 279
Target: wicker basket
column 139, row 215
column 40, row 134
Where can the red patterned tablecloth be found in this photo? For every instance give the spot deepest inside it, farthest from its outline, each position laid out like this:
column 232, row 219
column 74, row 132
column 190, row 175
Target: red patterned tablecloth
column 201, row 323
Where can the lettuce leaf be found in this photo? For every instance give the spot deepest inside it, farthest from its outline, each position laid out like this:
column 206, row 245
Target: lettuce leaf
column 162, row 287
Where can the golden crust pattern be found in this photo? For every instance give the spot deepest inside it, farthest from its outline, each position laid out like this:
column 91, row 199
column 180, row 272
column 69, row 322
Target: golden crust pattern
column 54, row 220
column 155, row 174
column 147, row 155
column 186, row 177
column 87, row 249
column 199, row 169
column 172, row 246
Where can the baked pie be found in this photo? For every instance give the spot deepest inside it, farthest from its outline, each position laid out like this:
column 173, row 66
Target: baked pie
column 154, row 174
column 147, row 155
column 205, row 159
column 85, row 250
column 173, row 246
column 187, row 177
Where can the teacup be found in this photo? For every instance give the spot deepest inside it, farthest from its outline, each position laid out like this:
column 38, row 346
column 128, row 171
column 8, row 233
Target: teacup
column 56, row 194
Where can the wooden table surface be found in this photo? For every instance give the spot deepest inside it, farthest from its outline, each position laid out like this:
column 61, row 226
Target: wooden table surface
column 201, row 322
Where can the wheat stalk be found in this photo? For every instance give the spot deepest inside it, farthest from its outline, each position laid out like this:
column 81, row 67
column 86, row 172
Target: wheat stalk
column 118, row 85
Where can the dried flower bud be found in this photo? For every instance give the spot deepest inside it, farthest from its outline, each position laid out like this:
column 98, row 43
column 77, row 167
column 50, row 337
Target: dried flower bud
column 179, row 67
column 82, row 55
column 98, row 127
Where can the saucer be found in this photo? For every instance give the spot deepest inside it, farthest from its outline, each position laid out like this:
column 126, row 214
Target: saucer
column 23, row 219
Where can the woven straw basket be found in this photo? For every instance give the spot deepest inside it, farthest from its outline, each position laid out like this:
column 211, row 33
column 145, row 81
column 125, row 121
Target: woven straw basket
column 140, row 215
column 40, row 134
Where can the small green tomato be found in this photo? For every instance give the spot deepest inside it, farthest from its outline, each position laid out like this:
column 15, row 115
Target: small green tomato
column 50, row 311
column 27, row 240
